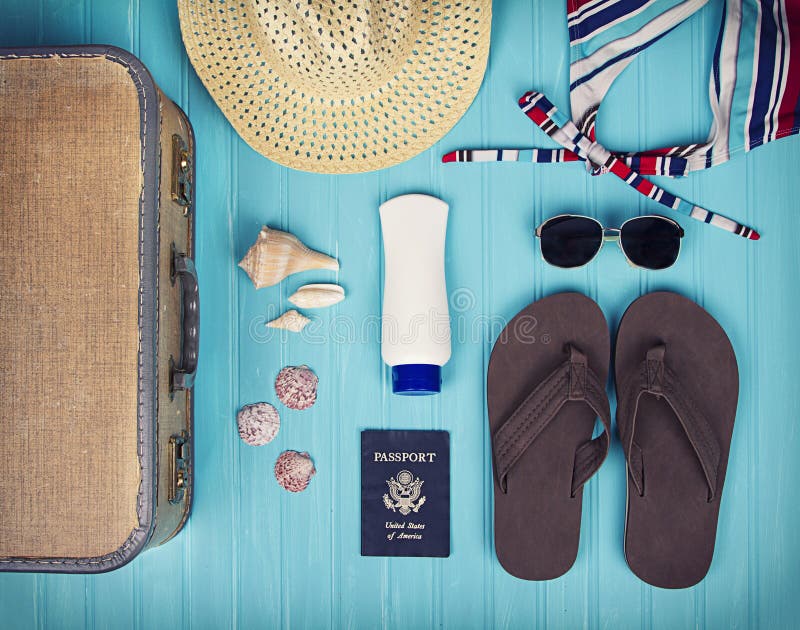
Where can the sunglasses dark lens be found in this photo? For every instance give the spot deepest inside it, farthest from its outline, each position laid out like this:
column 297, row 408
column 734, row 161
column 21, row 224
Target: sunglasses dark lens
column 570, row 241
column 651, row 242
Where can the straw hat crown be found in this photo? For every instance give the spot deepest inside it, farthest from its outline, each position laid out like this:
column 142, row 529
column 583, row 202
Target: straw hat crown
column 337, row 50
column 339, row 85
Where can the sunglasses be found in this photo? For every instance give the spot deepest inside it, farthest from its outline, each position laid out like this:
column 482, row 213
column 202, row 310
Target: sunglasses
column 570, row 240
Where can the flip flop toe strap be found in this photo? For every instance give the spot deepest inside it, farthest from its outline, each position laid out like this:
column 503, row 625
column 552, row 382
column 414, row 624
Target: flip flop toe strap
column 573, row 380
column 656, row 378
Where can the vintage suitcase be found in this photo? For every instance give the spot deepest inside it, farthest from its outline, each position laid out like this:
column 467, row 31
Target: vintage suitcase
column 98, row 310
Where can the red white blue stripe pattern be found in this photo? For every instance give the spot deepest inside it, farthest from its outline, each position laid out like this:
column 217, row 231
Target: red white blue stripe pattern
column 754, row 83
column 580, row 147
column 565, row 132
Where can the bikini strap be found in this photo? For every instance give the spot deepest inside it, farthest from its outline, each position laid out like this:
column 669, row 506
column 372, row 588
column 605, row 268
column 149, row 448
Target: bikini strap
column 578, row 146
column 537, row 156
column 561, row 129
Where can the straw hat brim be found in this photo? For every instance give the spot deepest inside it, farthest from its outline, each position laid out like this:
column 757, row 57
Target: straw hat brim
column 433, row 88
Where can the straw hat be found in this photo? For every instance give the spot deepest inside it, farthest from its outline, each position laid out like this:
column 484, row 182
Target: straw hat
column 339, row 86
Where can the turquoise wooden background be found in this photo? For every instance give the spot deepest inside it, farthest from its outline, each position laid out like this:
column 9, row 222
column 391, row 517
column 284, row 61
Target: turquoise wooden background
column 254, row 556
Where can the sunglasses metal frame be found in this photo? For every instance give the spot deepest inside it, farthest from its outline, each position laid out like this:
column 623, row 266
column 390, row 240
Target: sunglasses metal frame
column 610, row 235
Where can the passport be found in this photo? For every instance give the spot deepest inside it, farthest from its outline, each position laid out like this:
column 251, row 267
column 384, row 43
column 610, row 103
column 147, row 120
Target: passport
column 405, row 493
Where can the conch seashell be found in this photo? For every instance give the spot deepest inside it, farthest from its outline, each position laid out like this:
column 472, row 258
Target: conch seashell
column 296, row 387
column 290, row 320
column 317, row 295
column 294, row 470
column 276, row 255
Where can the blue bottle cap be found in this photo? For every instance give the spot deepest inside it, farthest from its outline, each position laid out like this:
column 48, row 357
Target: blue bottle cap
column 416, row 379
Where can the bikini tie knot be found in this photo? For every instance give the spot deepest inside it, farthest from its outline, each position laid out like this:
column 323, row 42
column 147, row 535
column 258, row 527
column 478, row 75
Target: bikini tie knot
column 596, row 158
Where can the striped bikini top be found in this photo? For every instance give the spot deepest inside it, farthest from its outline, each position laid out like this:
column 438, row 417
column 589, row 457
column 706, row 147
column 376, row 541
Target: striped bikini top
column 754, row 89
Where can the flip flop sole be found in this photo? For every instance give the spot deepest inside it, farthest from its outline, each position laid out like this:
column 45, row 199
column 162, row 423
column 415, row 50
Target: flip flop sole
column 537, row 521
column 670, row 529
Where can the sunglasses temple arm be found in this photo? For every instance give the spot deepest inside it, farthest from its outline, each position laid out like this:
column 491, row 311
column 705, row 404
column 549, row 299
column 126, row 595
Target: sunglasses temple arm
column 563, row 130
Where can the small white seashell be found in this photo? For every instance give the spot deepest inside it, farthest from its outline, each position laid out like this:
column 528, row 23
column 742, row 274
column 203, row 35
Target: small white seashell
column 290, row 320
column 294, row 470
column 276, row 255
column 317, row 295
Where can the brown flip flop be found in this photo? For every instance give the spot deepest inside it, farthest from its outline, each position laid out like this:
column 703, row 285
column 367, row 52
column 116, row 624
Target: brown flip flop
column 546, row 385
column 677, row 387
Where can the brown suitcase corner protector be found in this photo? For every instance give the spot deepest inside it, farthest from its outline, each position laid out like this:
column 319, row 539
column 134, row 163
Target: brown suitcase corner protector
column 148, row 270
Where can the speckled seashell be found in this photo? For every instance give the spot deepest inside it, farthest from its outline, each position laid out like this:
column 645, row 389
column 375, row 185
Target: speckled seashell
column 317, row 295
column 290, row 320
column 294, row 470
column 258, row 423
column 276, row 255
column 296, row 387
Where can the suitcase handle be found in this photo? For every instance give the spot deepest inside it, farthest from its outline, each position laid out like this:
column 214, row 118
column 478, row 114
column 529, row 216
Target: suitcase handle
column 182, row 374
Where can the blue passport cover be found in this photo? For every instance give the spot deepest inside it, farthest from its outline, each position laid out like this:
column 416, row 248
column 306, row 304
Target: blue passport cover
column 405, row 493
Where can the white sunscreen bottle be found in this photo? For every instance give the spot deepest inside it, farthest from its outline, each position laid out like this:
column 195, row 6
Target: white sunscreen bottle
column 415, row 327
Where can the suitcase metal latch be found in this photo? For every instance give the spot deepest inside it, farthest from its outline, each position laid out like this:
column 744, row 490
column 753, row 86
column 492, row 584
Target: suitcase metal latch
column 179, row 466
column 181, row 173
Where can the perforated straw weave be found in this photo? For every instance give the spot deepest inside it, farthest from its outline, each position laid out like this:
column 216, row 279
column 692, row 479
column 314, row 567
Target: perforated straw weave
column 339, row 86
